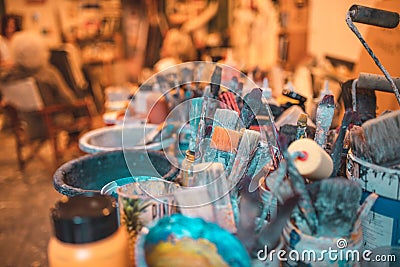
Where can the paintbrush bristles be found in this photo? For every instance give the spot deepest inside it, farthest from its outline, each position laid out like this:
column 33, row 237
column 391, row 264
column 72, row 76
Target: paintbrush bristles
column 226, row 118
column 382, row 138
column 225, row 139
column 302, row 120
column 248, row 143
column 247, row 146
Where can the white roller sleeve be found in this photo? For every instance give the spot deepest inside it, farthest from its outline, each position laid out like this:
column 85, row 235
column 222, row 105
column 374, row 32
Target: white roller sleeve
column 317, row 164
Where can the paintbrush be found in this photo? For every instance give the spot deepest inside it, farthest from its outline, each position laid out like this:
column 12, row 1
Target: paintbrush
column 222, row 146
column 338, row 146
column 251, row 106
column 363, row 210
column 187, row 78
column 260, row 159
column 216, row 81
column 234, row 85
column 246, row 149
column 224, row 139
column 377, row 140
column 336, row 202
column 301, row 127
column 225, row 118
column 275, row 180
column 194, row 120
column 324, row 116
column 239, row 98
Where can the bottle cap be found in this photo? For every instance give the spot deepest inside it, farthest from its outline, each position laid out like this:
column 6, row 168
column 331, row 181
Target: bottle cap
column 84, row 218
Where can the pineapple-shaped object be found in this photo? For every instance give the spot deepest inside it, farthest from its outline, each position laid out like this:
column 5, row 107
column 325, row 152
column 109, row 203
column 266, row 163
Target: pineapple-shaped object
column 131, row 211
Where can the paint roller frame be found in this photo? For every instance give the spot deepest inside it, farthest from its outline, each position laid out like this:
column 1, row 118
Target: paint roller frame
column 375, row 17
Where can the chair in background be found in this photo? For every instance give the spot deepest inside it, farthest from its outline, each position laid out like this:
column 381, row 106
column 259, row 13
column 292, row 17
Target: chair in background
column 33, row 123
column 66, row 59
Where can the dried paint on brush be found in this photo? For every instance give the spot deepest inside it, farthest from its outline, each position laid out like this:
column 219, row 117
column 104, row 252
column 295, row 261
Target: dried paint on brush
column 229, row 101
column 223, row 146
column 194, row 120
column 336, row 202
column 260, row 159
column 377, row 140
column 301, row 127
column 216, row 81
column 224, row 140
column 251, row 106
column 247, row 146
column 324, row 117
column 225, row 118
column 338, row 146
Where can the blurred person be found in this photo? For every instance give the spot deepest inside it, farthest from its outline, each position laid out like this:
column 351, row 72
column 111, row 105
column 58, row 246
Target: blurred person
column 31, row 59
column 9, row 26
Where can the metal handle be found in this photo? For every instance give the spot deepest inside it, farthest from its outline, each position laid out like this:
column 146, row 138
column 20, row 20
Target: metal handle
column 373, row 16
column 376, row 82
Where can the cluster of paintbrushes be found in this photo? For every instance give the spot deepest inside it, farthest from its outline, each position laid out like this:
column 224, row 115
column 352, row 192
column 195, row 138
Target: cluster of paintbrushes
column 222, row 141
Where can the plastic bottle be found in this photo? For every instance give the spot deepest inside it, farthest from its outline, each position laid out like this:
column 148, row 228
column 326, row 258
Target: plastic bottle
column 86, row 234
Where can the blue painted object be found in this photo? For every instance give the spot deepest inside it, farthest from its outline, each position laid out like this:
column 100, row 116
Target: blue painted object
column 91, row 172
column 179, row 226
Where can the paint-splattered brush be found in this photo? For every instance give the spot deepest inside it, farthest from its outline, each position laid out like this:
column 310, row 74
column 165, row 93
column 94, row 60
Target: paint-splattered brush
column 251, row 106
column 324, row 117
column 260, row 159
column 301, row 127
column 338, row 146
column 194, row 120
column 224, row 139
column 216, row 81
column 225, row 118
column 247, row 146
column 336, row 202
column 379, row 142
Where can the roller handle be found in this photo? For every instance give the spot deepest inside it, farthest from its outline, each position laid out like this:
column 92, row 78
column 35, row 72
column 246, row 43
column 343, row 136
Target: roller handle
column 376, row 82
column 373, row 16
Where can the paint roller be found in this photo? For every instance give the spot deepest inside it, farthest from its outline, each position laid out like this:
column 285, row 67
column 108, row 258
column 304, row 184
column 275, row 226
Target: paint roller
column 375, row 17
